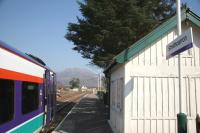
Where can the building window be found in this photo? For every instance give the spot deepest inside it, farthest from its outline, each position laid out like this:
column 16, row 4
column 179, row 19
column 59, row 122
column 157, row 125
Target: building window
column 117, row 87
column 113, row 91
column 6, row 100
column 120, row 88
column 30, row 97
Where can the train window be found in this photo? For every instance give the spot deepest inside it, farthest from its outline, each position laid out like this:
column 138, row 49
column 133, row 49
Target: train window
column 30, row 97
column 6, row 100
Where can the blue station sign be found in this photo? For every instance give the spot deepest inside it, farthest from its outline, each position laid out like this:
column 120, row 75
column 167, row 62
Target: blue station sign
column 180, row 44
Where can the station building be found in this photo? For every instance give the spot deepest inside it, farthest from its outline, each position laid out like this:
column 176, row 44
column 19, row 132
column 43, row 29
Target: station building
column 143, row 84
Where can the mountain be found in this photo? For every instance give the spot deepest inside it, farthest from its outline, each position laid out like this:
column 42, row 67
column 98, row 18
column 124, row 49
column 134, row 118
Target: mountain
column 87, row 77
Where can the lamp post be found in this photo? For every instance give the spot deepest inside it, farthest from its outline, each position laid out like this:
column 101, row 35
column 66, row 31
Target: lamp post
column 181, row 117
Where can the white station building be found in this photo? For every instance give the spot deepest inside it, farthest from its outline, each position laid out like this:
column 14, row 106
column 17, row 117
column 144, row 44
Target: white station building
column 144, row 90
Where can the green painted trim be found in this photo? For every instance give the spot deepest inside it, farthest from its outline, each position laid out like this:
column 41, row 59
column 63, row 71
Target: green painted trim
column 153, row 36
column 30, row 126
column 193, row 19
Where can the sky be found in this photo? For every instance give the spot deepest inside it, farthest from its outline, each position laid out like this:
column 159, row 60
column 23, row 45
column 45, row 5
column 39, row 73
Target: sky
column 39, row 26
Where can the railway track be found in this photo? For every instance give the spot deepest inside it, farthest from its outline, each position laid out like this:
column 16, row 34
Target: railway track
column 62, row 106
column 67, row 102
column 62, row 110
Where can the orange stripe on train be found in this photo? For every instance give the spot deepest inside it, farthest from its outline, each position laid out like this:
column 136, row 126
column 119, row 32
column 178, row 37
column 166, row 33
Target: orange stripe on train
column 7, row 74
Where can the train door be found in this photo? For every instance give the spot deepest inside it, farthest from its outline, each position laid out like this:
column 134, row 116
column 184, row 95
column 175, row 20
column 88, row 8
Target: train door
column 46, row 97
column 53, row 94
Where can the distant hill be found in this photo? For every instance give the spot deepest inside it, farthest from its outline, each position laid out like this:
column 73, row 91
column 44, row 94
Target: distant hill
column 87, row 77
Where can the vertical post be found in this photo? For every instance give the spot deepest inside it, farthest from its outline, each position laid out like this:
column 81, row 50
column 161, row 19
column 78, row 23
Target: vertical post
column 97, row 82
column 179, row 56
column 100, row 81
column 181, row 117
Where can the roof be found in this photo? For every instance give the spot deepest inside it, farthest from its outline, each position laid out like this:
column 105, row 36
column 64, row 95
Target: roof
column 147, row 40
column 22, row 55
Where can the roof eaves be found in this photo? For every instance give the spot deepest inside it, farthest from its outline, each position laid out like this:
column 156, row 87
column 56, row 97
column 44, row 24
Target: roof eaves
column 152, row 37
column 107, row 69
column 148, row 39
column 193, row 17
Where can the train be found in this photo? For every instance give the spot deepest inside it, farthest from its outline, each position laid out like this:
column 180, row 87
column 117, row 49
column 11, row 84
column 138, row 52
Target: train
column 27, row 92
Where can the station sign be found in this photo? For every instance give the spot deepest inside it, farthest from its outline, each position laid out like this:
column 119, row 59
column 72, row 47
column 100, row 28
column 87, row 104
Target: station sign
column 180, row 44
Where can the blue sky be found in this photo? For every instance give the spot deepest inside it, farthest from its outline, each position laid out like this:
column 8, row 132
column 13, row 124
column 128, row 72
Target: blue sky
column 39, row 26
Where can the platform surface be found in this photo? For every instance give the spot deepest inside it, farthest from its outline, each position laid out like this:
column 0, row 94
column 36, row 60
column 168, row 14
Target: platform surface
column 88, row 116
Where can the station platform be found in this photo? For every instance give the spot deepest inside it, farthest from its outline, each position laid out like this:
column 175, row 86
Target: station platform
column 88, row 116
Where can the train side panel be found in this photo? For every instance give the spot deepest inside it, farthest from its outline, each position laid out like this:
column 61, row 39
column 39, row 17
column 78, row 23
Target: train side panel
column 22, row 88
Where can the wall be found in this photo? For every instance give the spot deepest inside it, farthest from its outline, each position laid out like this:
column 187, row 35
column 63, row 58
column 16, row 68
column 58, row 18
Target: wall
column 116, row 99
column 152, row 95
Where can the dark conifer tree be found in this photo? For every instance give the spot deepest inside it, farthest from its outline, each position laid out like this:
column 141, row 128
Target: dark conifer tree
column 107, row 27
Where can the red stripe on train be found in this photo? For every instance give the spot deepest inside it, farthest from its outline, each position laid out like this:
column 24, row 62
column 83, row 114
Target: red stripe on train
column 7, row 74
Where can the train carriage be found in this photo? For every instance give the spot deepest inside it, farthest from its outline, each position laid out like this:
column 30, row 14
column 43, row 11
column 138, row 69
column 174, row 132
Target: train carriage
column 27, row 92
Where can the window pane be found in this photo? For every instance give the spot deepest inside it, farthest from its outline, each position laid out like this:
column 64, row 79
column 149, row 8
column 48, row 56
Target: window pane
column 30, row 97
column 6, row 100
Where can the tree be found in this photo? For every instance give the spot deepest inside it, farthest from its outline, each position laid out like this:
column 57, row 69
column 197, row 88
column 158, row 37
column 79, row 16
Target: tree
column 110, row 26
column 75, row 83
